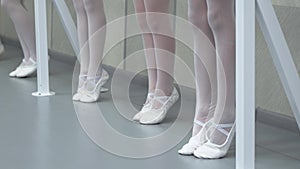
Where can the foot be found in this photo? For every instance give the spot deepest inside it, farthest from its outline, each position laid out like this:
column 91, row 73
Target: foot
column 195, row 141
column 145, row 108
column 82, row 80
column 92, row 88
column 211, row 150
column 81, row 83
column 160, row 106
column 25, row 69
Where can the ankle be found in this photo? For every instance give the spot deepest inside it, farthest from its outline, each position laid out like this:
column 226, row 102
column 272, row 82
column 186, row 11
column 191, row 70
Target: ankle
column 32, row 59
column 164, row 92
column 151, row 90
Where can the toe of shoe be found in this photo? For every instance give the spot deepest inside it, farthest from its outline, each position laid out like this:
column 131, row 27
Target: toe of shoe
column 87, row 99
column 150, row 120
column 12, row 74
column 208, row 153
column 186, row 151
column 137, row 117
column 76, row 97
column 25, row 73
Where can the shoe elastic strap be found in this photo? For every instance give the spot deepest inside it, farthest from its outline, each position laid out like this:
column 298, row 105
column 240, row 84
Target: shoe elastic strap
column 160, row 99
column 32, row 61
column 221, row 127
column 150, row 95
column 200, row 123
column 94, row 77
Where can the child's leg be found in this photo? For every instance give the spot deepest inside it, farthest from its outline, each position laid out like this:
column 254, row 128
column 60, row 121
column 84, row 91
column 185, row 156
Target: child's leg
column 148, row 41
column 221, row 20
column 164, row 45
column 82, row 29
column 205, row 64
column 97, row 34
column 165, row 95
column 24, row 25
column 148, row 44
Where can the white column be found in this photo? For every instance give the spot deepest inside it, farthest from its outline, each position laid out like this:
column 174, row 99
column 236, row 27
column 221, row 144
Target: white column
column 41, row 49
column 68, row 23
column 245, row 84
column 280, row 53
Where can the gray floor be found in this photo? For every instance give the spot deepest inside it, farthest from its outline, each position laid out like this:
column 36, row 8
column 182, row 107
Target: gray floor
column 44, row 133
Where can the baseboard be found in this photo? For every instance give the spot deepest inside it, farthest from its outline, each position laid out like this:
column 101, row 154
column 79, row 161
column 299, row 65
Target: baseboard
column 276, row 119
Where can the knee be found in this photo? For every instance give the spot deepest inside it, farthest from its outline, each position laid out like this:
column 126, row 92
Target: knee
column 91, row 6
column 9, row 5
column 198, row 18
column 215, row 19
column 156, row 23
column 79, row 6
column 142, row 21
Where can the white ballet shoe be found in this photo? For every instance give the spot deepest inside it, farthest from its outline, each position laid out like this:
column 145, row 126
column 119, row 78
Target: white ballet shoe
column 77, row 96
column 211, row 150
column 145, row 108
column 27, row 69
column 93, row 96
column 81, row 83
column 15, row 72
column 156, row 116
column 195, row 141
column 23, row 69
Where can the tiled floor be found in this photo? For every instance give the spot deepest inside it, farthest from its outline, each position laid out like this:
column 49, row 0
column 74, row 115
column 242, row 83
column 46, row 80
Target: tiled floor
column 45, row 133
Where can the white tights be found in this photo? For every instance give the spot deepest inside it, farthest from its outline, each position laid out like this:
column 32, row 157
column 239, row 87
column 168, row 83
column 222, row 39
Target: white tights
column 91, row 23
column 215, row 76
column 159, row 49
column 24, row 26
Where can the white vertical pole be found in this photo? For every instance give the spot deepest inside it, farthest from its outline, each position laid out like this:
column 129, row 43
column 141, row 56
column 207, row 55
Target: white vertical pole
column 41, row 49
column 280, row 53
column 245, row 84
column 68, row 24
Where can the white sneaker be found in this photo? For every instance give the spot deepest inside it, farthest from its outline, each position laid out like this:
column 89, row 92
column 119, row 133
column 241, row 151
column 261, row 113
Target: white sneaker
column 92, row 96
column 155, row 116
column 147, row 106
column 210, row 150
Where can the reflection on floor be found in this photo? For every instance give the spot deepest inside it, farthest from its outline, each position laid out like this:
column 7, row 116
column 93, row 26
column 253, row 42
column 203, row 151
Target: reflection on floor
column 44, row 133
